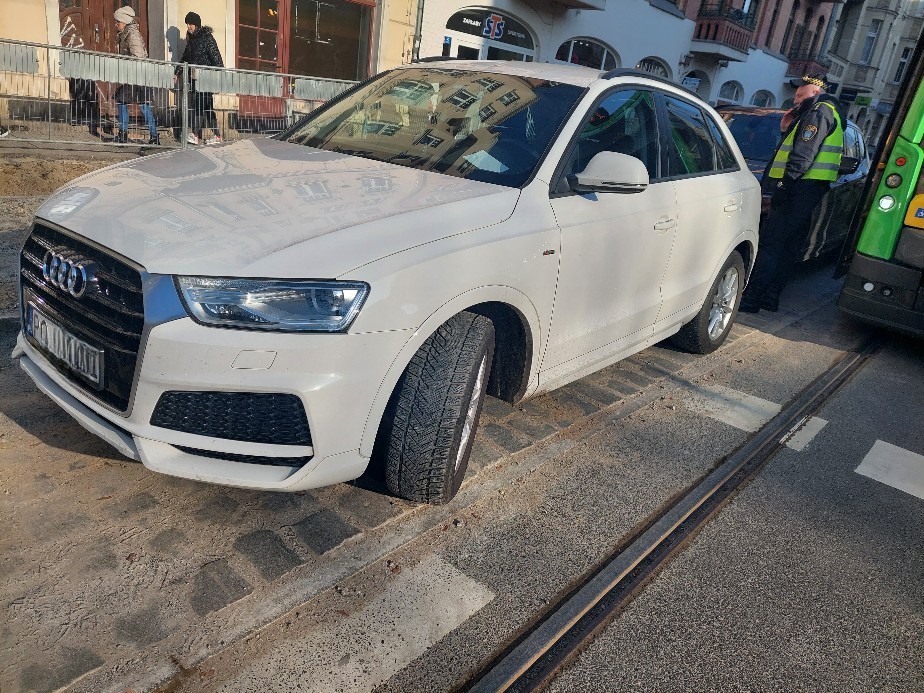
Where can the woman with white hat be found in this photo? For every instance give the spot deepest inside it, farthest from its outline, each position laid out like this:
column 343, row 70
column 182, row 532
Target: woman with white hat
column 131, row 43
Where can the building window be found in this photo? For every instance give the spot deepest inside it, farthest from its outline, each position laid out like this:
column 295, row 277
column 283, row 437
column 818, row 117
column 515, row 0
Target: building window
column 773, row 20
column 509, row 98
column 655, row 66
column 588, row 53
column 489, row 84
column 486, row 113
column 870, row 44
column 730, row 92
column 305, row 37
column 462, row 99
column 762, row 98
column 902, row 65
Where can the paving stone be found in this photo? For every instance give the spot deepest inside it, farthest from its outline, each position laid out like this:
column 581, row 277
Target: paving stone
column 508, row 439
column 167, row 541
column 619, row 385
column 216, row 585
column 218, row 508
column 569, row 395
column 268, row 553
column 537, row 429
column 484, row 453
column 590, row 390
column 70, row 663
column 369, row 508
column 636, row 378
column 663, row 361
column 133, row 505
column 142, row 627
column 323, row 531
column 496, row 408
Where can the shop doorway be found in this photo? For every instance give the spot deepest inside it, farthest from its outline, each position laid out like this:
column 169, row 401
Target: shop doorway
column 483, row 34
column 89, row 25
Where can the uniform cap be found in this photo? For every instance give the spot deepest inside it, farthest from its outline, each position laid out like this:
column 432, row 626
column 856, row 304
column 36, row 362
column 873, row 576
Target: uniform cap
column 819, row 79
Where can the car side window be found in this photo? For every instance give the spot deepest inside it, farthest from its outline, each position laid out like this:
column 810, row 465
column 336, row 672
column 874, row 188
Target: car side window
column 725, row 160
column 624, row 122
column 691, row 148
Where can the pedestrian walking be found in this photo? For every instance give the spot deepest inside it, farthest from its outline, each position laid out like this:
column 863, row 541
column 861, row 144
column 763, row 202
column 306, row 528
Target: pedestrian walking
column 131, row 43
column 805, row 164
column 201, row 49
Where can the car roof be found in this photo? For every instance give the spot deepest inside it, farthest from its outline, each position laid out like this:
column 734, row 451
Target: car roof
column 554, row 72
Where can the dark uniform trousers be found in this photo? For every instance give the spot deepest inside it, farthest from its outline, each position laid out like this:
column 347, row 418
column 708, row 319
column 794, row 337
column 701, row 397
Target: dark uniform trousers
column 783, row 234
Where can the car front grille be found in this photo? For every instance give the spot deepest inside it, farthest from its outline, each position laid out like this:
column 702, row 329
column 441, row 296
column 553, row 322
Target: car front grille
column 253, row 417
column 109, row 315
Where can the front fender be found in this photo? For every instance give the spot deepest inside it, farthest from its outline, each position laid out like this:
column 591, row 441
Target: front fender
column 484, row 294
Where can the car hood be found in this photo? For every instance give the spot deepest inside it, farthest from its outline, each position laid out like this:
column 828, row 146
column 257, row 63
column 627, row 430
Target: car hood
column 265, row 207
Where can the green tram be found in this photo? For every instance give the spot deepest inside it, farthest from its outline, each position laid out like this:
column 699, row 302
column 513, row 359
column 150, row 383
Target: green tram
column 884, row 254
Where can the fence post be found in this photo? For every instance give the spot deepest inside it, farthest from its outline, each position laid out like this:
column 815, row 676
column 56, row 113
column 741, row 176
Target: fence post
column 48, row 87
column 184, row 104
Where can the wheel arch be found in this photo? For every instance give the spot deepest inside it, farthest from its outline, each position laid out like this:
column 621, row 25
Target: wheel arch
column 517, row 336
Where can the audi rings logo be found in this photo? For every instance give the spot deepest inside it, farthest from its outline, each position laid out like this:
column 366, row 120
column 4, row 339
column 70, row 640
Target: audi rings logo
column 68, row 273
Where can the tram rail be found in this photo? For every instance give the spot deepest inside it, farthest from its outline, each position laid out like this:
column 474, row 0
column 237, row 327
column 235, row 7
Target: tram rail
column 557, row 638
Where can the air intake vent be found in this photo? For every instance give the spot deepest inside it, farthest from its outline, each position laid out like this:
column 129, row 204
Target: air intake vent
column 254, row 417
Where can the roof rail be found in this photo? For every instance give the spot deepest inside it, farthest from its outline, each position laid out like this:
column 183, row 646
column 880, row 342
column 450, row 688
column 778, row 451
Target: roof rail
column 634, row 72
column 432, row 59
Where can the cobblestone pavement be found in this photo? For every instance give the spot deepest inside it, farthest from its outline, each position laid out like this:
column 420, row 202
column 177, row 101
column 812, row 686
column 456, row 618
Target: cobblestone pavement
column 111, row 573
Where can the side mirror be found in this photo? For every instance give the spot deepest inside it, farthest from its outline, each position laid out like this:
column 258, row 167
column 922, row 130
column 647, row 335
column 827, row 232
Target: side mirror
column 611, row 172
column 849, row 164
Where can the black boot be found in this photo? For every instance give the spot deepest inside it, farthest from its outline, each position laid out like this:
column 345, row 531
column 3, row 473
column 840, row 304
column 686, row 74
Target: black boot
column 770, row 300
column 750, row 301
column 155, row 140
column 121, row 138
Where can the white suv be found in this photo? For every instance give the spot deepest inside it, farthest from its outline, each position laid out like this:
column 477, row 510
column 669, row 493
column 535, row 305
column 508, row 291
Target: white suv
column 267, row 312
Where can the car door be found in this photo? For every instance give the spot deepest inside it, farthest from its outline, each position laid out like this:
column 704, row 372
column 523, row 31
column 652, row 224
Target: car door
column 710, row 189
column 614, row 246
column 832, row 221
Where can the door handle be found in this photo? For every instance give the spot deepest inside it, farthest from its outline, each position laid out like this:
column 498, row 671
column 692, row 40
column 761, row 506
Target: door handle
column 665, row 224
column 732, row 207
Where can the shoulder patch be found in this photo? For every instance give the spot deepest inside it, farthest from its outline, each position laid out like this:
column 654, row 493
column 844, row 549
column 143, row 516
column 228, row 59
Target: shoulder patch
column 808, row 132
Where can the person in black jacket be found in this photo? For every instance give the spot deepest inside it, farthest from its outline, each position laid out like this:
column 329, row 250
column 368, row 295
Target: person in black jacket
column 803, row 168
column 201, row 49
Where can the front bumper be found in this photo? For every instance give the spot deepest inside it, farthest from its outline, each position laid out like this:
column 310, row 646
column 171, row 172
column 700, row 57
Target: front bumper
column 336, row 377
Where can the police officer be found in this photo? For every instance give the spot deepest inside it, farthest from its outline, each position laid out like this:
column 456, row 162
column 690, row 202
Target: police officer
column 805, row 164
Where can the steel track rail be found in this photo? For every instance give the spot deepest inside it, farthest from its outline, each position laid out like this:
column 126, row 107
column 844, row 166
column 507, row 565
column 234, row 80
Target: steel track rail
column 537, row 656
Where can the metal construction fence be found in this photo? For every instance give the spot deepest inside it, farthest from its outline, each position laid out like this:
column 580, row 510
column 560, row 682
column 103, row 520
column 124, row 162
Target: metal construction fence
column 65, row 95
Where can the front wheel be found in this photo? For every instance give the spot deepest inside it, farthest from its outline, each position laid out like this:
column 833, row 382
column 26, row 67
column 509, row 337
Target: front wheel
column 706, row 332
column 433, row 414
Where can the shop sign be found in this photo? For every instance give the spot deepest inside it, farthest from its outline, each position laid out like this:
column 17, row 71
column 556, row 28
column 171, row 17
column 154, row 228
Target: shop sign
column 491, row 25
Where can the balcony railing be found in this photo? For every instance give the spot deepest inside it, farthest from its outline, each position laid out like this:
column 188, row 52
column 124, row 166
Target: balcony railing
column 724, row 26
column 805, row 62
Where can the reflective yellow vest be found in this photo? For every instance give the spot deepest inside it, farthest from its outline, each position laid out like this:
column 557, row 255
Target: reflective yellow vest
column 827, row 161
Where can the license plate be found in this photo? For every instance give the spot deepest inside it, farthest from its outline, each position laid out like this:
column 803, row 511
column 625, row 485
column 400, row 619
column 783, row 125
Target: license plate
column 77, row 354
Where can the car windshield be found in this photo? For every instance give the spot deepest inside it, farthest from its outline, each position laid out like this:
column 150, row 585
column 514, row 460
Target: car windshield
column 483, row 126
column 756, row 135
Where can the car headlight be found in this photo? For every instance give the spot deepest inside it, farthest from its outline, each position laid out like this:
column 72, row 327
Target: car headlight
column 258, row 304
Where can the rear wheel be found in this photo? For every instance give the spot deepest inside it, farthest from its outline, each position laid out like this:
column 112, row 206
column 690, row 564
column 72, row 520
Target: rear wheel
column 706, row 332
column 433, row 414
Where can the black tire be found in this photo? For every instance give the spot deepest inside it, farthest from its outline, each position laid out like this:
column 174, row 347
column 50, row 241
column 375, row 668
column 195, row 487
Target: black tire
column 700, row 335
column 425, row 455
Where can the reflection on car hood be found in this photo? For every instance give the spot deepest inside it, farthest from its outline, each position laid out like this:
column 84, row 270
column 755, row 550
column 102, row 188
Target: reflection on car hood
column 239, row 209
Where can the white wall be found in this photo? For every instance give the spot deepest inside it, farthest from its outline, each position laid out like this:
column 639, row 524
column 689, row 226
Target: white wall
column 761, row 71
column 651, row 32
